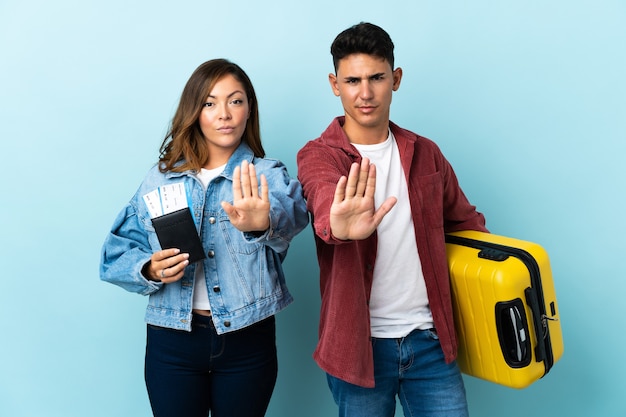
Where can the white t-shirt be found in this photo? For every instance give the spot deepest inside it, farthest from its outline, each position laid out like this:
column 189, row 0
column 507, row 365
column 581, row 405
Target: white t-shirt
column 200, row 291
column 399, row 302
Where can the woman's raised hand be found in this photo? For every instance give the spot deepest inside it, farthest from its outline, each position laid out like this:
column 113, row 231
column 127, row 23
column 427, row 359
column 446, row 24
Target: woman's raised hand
column 250, row 211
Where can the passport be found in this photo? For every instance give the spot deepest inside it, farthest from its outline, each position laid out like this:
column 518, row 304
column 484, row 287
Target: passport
column 178, row 230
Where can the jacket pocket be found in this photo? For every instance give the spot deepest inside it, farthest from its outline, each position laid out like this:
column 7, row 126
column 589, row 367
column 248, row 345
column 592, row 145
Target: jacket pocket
column 153, row 239
column 234, row 238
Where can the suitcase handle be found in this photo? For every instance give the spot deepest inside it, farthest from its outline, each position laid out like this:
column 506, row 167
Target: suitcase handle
column 540, row 330
column 493, row 255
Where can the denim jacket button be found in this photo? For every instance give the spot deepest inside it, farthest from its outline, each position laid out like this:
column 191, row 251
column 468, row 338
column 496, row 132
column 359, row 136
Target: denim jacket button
column 216, row 289
column 212, row 220
column 227, row 323
column 211, row 254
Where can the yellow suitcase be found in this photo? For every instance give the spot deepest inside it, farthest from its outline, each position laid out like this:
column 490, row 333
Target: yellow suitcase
column 506, row 314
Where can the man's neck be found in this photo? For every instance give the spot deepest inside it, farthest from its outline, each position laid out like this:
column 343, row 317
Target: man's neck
column 366, row 135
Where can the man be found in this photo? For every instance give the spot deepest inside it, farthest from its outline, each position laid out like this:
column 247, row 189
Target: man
column 386, row 323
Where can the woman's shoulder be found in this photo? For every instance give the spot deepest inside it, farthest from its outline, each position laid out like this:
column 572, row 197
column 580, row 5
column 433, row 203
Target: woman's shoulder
column 155, row 178
column 268, row 163
column 154, row 175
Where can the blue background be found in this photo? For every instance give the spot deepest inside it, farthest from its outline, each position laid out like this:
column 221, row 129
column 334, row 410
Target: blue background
column 525, row 98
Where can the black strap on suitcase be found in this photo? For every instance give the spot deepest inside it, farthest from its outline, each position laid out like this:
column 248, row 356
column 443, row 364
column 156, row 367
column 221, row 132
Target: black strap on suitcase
column 510, row 317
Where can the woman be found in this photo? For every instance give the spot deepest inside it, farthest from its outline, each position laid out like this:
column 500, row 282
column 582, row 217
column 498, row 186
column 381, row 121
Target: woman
column 210, row 324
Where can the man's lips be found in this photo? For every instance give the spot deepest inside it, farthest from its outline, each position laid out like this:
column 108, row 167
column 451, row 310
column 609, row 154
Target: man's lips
column 366, row 109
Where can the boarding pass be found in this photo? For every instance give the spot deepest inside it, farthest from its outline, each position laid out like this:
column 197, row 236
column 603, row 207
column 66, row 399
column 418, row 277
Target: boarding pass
column 166, row 199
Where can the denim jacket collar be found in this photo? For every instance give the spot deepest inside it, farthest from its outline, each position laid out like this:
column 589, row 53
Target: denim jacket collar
column 242, row 153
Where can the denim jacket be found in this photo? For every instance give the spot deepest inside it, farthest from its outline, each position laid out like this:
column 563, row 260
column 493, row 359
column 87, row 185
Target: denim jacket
column 243, row 271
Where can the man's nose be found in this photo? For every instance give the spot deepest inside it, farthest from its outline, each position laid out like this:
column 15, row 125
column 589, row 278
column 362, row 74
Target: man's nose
column 366, row 90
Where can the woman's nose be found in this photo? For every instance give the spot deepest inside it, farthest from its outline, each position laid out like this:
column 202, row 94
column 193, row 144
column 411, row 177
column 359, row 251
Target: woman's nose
column 224, row 114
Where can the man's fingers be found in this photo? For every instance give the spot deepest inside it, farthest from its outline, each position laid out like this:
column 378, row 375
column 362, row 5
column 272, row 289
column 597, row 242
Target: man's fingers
column 340, row 190
column 370, row 181
column 364, row 177
column 361, row 182
column 352, row 181
column 384, row 209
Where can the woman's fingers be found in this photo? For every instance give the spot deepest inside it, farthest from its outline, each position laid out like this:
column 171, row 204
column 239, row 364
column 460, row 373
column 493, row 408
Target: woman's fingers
column 168, row 265
column 246, row 182
column 265, row 191
column 253, row 182
column 246, row 170
column 237, row 194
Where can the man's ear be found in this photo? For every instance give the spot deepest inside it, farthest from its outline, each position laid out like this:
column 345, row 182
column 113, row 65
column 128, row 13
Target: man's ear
column 332, row 79
column 397, row 77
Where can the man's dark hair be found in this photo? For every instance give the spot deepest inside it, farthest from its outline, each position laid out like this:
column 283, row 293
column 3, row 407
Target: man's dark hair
column 363, row 38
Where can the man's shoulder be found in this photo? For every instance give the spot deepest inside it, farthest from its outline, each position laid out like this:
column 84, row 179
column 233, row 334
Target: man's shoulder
column 406, row 134
column 322, row 146
column 333, row 136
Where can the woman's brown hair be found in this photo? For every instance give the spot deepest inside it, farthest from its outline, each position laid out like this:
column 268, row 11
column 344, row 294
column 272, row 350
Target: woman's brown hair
column 184, row 147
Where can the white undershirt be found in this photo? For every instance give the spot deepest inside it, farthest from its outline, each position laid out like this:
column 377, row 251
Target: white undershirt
column 399, row 302
column 200, row 291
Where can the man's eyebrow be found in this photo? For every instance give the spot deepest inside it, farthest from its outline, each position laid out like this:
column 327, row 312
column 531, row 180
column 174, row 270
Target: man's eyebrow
column 369, row 77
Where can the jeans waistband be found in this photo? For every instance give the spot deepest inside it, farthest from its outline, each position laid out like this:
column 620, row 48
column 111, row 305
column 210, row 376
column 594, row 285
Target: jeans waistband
column 201, row 320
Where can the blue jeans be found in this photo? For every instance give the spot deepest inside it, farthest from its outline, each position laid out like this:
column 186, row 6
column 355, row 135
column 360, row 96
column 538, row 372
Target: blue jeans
column 412, row 368
column 189, row 373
